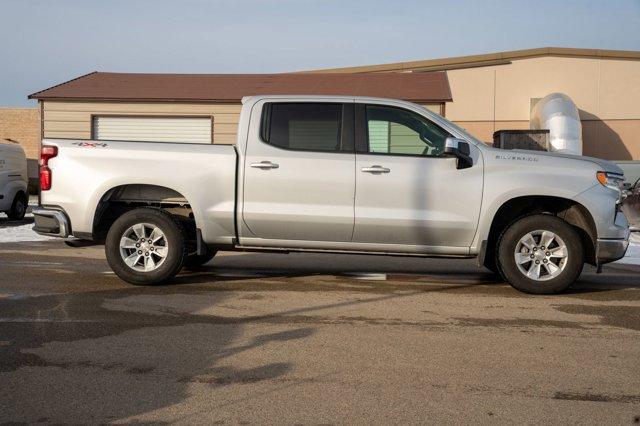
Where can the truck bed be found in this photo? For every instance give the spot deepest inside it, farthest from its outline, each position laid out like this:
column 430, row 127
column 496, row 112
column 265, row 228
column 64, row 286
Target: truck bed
column 200, row 175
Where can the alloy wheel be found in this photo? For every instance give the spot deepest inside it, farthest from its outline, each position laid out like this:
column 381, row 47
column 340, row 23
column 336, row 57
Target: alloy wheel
column 541, row 255
column 143, row 247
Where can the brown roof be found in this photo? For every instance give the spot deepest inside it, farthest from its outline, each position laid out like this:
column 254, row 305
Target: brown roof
column 498, row 58
column 423, row 87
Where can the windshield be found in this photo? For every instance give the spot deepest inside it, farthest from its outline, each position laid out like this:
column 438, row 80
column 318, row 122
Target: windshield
column 466, row 134
column 461, row 130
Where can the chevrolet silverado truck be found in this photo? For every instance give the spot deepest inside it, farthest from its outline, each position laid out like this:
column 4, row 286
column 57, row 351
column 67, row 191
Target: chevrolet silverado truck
column 335, row 174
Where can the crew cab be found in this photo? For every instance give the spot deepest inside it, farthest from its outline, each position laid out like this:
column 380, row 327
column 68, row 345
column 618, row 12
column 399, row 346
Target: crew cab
column 335, row 174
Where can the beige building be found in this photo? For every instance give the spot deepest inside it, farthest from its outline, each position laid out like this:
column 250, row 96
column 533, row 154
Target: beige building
column 497, row 91
column 22, row 126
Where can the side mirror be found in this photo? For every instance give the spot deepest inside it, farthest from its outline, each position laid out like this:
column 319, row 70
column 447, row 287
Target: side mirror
column 460, row 149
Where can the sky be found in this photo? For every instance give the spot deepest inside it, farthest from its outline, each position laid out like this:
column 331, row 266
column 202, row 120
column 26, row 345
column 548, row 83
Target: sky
column 46, row 42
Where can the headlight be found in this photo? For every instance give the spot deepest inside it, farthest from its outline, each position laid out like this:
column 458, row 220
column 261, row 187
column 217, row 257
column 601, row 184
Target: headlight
column 613, row 181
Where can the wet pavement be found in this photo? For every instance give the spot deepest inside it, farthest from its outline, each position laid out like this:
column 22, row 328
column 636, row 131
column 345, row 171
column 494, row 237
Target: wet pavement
column 311, row 338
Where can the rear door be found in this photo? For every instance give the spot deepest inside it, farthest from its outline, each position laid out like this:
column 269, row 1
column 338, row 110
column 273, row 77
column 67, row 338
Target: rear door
column 408, row 195
column 299, row 175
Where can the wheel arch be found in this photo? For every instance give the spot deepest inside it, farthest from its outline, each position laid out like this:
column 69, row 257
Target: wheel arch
column 119, row 199
column 569, row 210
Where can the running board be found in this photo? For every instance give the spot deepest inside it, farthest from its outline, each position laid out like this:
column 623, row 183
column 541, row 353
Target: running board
column 334, row 251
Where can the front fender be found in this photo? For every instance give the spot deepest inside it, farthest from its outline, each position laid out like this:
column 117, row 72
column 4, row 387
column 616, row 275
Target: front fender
column 491, row 207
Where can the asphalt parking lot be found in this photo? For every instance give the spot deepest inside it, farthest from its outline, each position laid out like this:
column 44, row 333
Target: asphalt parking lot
column 310, row 339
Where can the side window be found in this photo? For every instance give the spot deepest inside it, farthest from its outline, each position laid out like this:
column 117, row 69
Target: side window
column 397, row 131
column 304, row 126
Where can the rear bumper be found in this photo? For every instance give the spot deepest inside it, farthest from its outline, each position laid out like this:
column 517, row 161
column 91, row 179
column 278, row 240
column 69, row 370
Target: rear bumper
column 51, row 222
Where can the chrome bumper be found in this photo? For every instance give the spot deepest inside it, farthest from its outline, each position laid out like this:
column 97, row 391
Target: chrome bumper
column 51, row 222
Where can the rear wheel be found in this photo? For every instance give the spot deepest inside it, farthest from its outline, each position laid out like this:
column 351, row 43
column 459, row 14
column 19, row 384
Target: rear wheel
column 540, row 254
column 146, row 246
column 18, row 207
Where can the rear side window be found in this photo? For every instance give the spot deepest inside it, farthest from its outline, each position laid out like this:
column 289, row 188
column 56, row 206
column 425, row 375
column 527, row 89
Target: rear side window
column 304, row 126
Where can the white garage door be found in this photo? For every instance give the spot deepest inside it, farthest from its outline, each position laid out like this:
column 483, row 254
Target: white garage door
column 153, row 129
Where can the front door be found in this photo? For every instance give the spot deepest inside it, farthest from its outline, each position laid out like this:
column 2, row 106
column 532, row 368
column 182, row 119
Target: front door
column 299, row 175
column 408, row 195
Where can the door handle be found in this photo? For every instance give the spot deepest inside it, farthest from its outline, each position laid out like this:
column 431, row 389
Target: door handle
column 264, row 165
column 375, row 169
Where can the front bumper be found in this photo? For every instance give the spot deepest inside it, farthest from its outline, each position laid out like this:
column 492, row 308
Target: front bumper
column 610, row 250
column 51, row 222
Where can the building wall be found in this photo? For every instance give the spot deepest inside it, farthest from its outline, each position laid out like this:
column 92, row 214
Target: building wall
column 606, row 91
column 72, row 119
column 23, row 125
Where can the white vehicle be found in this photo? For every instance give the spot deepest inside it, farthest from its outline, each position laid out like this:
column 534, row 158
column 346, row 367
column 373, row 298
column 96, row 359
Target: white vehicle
column 13, row 181
column 336, row 174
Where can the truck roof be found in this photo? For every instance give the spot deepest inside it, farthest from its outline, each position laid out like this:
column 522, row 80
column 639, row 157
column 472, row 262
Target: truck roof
column 329, row 98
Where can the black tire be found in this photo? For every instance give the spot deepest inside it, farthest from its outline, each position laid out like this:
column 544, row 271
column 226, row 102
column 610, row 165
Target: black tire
column 18, row 207
column 176, row 252
column 195, row 261
column 506, row 257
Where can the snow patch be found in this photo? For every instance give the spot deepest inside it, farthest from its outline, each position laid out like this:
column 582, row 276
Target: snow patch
column 632, row 257
column 10, row 233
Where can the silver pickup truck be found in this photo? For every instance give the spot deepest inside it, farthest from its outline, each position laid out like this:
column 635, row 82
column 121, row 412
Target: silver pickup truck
column 336, row 174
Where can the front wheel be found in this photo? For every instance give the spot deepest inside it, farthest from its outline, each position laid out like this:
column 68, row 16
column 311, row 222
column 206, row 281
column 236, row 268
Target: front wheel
column 540, row 254
column 146, row 246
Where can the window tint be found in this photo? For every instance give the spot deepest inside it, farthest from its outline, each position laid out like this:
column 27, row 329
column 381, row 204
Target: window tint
column 397, row 131
column 305, row 127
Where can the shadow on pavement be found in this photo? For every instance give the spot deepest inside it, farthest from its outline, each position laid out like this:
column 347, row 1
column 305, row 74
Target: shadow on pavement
column 68, row 358
column 6, row 223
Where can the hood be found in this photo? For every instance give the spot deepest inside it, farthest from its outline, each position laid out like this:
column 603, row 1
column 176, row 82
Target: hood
column 605, row 165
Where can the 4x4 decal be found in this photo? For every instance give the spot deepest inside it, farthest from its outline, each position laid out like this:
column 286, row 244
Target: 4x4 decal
column 90, row 144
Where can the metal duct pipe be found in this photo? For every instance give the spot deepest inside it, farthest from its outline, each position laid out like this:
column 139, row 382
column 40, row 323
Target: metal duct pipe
column 557, row 113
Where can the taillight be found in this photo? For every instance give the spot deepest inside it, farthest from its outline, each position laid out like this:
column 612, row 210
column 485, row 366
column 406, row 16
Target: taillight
column 47, row 152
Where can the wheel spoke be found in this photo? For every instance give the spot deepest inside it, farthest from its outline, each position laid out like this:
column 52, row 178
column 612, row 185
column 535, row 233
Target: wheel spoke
column 522, row 258
column 127, row 243
column 155, row 235
column 132, row 259
column 149, row 263
column 552, row 268
column 534, row 271
column 558, row 252
column 528, row 241
column 547, row 238
column 139, row 230
column 161, row 251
